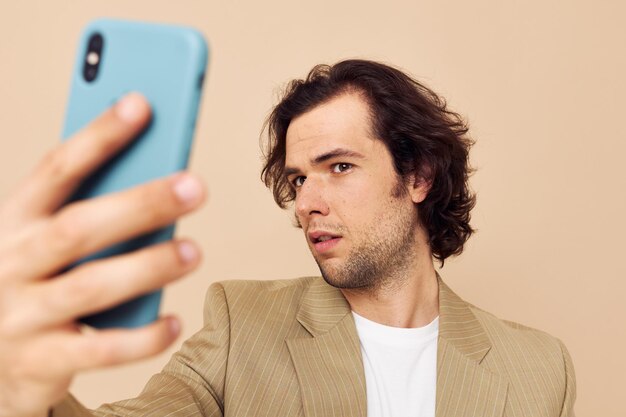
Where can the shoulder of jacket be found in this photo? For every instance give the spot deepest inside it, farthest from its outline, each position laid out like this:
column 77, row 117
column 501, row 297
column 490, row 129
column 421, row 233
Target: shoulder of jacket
column 258, row 295
column 510, row 336
column 527, row 353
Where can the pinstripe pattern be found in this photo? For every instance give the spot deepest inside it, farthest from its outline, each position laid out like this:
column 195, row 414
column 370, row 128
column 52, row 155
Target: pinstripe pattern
column 290, row 348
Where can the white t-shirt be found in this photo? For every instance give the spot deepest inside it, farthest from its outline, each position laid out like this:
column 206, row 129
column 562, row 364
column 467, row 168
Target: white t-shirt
column 400, row 368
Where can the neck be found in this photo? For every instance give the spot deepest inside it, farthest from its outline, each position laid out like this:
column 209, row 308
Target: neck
column 413, row 300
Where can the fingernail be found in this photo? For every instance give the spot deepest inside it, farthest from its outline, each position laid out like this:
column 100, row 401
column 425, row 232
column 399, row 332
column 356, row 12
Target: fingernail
column 187, row 188
column 187, row 252
column 174, row 326
column 131, row 107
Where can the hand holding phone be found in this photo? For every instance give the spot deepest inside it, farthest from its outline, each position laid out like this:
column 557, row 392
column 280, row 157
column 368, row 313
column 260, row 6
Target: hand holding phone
column 41, row 348
column 79, row 201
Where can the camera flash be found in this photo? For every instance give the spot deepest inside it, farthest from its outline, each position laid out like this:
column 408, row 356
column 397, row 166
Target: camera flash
column 93, row 58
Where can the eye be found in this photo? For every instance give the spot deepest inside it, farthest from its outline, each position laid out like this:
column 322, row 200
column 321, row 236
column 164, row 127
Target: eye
column 298, row 181
column 341, row 167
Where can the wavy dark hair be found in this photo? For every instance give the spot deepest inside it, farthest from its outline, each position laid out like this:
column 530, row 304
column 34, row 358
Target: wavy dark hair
column 424, row 137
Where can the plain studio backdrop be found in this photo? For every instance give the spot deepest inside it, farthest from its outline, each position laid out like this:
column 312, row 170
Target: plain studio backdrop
column 542, row 84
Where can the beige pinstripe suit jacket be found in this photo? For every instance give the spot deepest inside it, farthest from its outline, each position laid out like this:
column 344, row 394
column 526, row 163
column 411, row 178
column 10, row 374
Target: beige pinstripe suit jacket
column 290, row 348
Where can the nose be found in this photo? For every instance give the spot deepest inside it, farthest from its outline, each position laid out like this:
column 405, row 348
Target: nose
column 310, row 200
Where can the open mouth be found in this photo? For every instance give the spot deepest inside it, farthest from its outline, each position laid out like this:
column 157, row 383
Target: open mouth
column 324, row 238
column 323, row 241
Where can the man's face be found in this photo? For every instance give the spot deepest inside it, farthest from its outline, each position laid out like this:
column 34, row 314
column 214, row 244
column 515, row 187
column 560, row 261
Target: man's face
column 358, row 218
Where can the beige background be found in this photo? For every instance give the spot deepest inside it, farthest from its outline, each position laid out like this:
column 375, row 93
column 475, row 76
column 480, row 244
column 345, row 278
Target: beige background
column 541, row 82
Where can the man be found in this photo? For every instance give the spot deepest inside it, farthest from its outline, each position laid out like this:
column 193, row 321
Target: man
column 377, row 168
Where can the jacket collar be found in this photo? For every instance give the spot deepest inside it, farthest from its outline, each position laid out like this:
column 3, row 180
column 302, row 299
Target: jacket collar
column 459, row 326
column 324, row 306
column 333, row 354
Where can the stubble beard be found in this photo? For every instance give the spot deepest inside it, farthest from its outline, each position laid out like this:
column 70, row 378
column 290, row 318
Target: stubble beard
column 380, row 262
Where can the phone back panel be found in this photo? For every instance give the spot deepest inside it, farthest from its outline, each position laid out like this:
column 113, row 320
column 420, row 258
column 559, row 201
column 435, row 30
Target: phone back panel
column 166, row 64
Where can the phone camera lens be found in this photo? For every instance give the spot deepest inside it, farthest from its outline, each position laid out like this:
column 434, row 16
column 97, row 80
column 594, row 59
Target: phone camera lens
column 93, row 57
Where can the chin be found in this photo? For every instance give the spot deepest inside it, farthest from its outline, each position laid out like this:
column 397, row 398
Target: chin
column 330, row 273
column 336, row 278
column 333, row 281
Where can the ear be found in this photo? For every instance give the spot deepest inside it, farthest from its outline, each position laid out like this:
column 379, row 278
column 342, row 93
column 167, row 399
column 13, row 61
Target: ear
column 418, row 187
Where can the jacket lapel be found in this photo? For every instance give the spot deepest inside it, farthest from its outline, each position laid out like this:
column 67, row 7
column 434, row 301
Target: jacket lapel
column 328, row 365
column 330, row 369
column 464, row 387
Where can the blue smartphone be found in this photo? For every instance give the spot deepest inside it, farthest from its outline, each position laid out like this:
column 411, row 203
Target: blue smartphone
column 166, row 64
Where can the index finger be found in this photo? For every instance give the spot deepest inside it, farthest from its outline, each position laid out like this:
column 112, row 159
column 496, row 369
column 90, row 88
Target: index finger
column 62, row 170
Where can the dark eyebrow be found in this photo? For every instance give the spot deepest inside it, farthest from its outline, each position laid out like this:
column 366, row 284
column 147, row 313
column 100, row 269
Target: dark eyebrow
column 335, row 153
